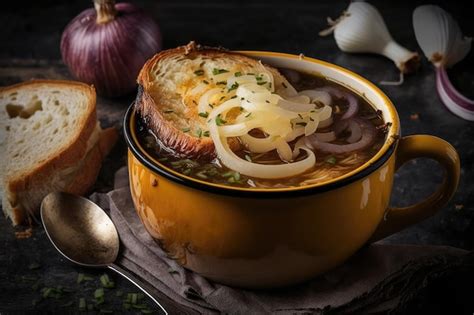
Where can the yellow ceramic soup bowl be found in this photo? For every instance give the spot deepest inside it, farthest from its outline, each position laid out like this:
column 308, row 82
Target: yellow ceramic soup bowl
column 268, row 238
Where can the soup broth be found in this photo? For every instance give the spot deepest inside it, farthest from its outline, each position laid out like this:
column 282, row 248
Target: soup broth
column 329, row 165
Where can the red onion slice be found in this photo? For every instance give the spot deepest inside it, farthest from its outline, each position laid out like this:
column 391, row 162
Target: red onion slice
column 457, row 103
column 355, row 130
column 353, row 103
column 367, row 139
column 325, row 136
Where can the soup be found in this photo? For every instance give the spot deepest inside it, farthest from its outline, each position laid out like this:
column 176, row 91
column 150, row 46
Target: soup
column 348, row 137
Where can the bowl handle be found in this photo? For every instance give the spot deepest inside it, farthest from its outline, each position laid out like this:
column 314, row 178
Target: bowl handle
column 422, row 146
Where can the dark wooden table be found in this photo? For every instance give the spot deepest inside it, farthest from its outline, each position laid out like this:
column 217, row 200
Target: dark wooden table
column 29, row 48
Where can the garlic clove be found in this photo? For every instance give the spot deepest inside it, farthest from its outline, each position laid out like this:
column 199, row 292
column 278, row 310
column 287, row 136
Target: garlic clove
column 439, row 36
column 362, row 29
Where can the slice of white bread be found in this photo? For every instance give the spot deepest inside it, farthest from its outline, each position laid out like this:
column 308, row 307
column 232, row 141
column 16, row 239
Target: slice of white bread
column 51, row 141
column 170, row 89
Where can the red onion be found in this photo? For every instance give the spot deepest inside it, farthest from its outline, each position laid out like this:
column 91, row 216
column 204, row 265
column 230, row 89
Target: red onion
column 353, row 103
column 367, row 138
column 355, row 130
column 457, row 103
column 108, row 46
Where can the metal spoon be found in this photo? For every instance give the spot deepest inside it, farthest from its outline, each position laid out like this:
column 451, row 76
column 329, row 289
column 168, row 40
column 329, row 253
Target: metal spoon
column 83, row 233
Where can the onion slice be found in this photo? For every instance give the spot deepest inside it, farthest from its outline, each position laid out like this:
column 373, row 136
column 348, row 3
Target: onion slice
column 367, row 138
column 457, row 103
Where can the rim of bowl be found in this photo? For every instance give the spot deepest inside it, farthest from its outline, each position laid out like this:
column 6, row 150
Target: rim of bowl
column 375, row 162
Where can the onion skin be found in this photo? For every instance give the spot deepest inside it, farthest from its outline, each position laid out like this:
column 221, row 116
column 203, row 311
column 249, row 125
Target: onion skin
column 110, row 54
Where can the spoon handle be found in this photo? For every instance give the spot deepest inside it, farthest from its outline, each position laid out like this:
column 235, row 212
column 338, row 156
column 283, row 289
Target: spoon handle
column 145, row 287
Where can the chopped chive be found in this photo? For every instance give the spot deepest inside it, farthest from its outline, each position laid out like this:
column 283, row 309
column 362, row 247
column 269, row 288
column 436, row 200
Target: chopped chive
column 205, row 81
column 186, row 129
column 311, row 118
column 228, row 174
column 284, row 85
column 146, row 311
column 331, row 160
column 99, row 293
column 199, row 72
column 199, row 133
column 220, row 121
column 169, row 111
column 236, row 176
column 82, row 304
column 216, row 71
column 70, row 303
column 204, row 114
column 238, row 74
column 248, row 114
column 221, row 82
column 206, row 133
column 233, row 86
column 235, row 96
column 106, row 283
column 187, row 171
column 301, row 117
column 242, row 98
column 201, row 175
column 241, row 108
column 163, row 159
column 211, row 106
column 139, row 306
column 259, row 77
column 248, row 158
column 222, row 97
column 134, row 298
column 301, row 123
column 250, row 73
column 34, row 265
column 231, row 180
column 267, row 101
column 195, row 103
column 119, row 293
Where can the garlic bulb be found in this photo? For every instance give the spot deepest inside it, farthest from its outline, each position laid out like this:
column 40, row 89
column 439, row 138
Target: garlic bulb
column 439, row 36
column 361, row 29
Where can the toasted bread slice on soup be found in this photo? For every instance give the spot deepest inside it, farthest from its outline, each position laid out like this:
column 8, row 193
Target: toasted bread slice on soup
column 51, row 141
column 171, row 84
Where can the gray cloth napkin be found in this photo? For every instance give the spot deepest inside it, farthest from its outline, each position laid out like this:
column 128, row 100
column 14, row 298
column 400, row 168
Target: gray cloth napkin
column 373, row 272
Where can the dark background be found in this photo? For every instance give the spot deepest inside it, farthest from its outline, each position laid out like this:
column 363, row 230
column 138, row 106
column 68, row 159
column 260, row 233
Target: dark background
column 29, row 47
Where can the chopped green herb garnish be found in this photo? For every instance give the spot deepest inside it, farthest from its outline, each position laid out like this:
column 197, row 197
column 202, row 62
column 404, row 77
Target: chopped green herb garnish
column 227, row 174
column 216, row 71
column 267, row 101
column 250, row 73
column 99, row 293
column 82, row 304
column 331, row 160
column 199, row 133
column 231, row 180
column 205, row 81
column 206, row 133
column 248, row 158
column 284, row 85
column 220, row 121
column 259, row 77
column 199, row 72
column 169, row 111
column 146, row 311
column 238, row 74
column 34, row 265
column 106, row 283
column 195, row 103
column 222, row 82
column 222, row 97
column 201, row 175
column 262, row 83
column 204, row 114
column 299, row 115
column 163, row 159
column 237, row 176
column 211, row 106
column 186, row 129
column 301, row 124
column 311, row 118
column 233, row 86
column 248, row 114
column 235, row 96
column 187, row 171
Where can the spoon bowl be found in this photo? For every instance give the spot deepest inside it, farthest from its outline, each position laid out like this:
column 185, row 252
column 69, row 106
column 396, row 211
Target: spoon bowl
column 80, row 230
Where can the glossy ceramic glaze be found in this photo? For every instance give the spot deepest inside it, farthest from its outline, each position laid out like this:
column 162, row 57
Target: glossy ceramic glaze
column 260, row 238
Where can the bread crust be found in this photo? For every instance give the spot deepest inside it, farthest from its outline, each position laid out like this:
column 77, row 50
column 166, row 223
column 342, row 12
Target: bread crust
column 183, row 144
